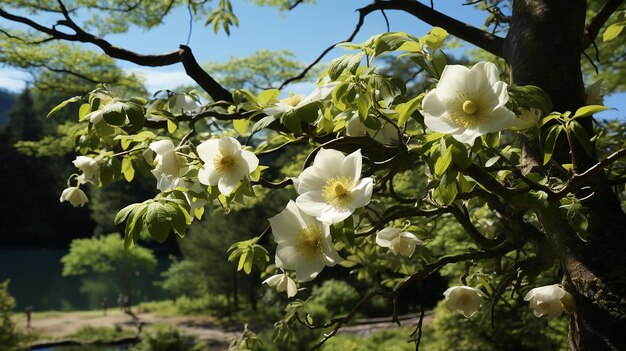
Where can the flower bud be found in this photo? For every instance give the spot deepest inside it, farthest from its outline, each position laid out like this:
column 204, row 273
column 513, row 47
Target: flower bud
column 464, row 300
column 551, row 301
column 74, row 196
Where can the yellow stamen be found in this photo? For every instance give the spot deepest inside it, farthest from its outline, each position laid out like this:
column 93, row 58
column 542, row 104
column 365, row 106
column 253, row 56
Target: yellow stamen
column 223, row 162
column 293, row 100
column 466, row 111
column 470, row 107
column 308, row 242
column 337, row 191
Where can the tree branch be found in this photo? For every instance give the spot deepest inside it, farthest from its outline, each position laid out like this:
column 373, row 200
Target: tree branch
column 357, row 28
column 183, row 55
column 200, row 76
column 473, row 35
column 471, row 230
column 597, row 22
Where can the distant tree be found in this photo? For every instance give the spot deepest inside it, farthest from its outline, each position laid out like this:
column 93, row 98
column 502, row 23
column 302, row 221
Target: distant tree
column 553, row 198
column 106, row 254
column 10, row 338
column 183, row 278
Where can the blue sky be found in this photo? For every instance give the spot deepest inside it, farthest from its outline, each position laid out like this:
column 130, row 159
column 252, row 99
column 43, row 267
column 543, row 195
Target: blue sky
column 306, row 31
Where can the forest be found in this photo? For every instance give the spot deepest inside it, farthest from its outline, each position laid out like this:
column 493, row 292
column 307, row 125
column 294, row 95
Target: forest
column 452, row 188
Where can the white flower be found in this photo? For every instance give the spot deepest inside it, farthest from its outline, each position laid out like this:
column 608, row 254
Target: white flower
column 89, row 167
column 468, row 103
column 186, row 104
column 386, row 135
column 551, row 301
column 527, row 118
column 225, row 163
column 332, row 188
column 282, row 283
column 169, row 167
column 298, row 100
column 74, row 196
column 464, row 300
column 595, row 94
column 398, row 242
column 303, row 243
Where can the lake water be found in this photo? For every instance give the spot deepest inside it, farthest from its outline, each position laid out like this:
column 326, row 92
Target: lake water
column 36, row 281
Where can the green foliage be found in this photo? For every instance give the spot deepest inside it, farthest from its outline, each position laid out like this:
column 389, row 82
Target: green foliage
column 391, row 339
column 515, row 328
column 10, row 338
column 66, row 67
column 89, row 334
column 335, row 296
column 182, row 279
column 208, row 304
column 264, row 69
column 105, row 254
column 168, row 338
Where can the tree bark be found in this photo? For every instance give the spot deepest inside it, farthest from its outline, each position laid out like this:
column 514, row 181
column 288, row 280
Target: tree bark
column 543, row 48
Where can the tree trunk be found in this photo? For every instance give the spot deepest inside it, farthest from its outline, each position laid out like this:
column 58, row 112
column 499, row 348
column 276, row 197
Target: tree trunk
column 543, row 48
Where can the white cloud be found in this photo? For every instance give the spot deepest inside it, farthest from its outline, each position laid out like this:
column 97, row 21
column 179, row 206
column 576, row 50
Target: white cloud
column 13, row 80
column 155, row 79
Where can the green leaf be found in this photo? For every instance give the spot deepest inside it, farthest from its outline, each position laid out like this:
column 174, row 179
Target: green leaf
column 492, row 139
column 578, row 221
column 123, row 213
column 268, row 97
column 447, row 190
column 550, row 117
column 349, row 62
column 389, row 42
column 443, row 162
column 179, row 221
column 530, row 96
column 172, row 125
column 58, row 107
column 83, row 111
column 115, row 117
column 406, row 109
column 589, row 110
column 291, row 121
column 459, row 154
column 581, row 136
column 134, row 225
column 439, row 62
column 435, row 38
column 135, row 117
column 613, row 31
column 127, row 168
column 263, row 123
column 308, row 112
column 158, row 220
column 550, row 142
column 241, row 125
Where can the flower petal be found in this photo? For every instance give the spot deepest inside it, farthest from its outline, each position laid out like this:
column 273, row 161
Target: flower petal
column 252, row 162
column 385, row 236
column 351, row 165
column 227, row 185
column 207, row 150
column 309, row 180
column 311, row 203
column 362, row 193
column 331, row 214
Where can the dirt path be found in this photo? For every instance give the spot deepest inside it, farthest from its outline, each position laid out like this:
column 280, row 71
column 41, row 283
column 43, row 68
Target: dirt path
column 60, row 325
